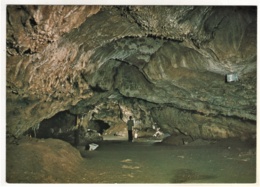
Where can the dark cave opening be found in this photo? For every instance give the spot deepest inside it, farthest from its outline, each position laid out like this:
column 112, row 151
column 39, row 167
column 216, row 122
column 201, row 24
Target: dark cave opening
column 62, row 126
column 99, row 125
column 54, row 127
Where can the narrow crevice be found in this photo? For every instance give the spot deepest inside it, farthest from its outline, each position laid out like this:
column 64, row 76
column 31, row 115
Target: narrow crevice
column 97, row 88
column 161, row 37
column 32, row 22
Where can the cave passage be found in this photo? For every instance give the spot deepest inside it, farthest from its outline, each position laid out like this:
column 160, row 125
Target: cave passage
column 100, row 126
column 187, row 75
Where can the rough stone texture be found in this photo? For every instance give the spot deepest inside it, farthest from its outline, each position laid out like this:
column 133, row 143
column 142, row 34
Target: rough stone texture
column 161, row 64
column 43, row 161
column 40, row 25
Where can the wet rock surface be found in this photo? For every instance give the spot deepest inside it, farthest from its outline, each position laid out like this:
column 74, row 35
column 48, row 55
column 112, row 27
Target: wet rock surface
column 162, row 65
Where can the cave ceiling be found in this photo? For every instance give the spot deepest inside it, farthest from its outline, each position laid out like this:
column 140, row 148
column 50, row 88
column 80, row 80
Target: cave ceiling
column 169, row 62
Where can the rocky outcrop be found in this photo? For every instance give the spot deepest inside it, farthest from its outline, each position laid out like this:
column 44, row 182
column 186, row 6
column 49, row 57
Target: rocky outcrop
column 161, row 64
column 43, row 161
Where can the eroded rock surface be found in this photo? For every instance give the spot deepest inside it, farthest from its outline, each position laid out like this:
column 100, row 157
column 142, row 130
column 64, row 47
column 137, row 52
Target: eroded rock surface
column 43, row 161
column 164, row 65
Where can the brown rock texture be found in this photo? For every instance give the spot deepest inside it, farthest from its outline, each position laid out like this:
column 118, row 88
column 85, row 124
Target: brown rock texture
column 43, row 161
column 161, row 64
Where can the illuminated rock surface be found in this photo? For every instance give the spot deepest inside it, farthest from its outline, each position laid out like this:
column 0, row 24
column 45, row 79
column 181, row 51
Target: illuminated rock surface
column 163, row 65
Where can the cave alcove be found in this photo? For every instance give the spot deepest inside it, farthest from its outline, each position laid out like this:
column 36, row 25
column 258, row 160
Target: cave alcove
column 57, row 126
column 98, row 125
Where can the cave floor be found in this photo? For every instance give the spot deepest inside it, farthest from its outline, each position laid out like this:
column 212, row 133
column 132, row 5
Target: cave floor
column 120, row 161
column 144, row 162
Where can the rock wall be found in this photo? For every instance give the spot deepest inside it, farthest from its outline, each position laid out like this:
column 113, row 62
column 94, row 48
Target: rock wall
column 162, row 64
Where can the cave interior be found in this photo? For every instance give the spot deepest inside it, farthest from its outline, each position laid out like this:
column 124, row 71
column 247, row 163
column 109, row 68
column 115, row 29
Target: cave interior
column 186, row 74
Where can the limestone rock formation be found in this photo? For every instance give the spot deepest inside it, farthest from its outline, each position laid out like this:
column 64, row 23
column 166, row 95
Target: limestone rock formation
column 165, row 65
column 43, row 161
